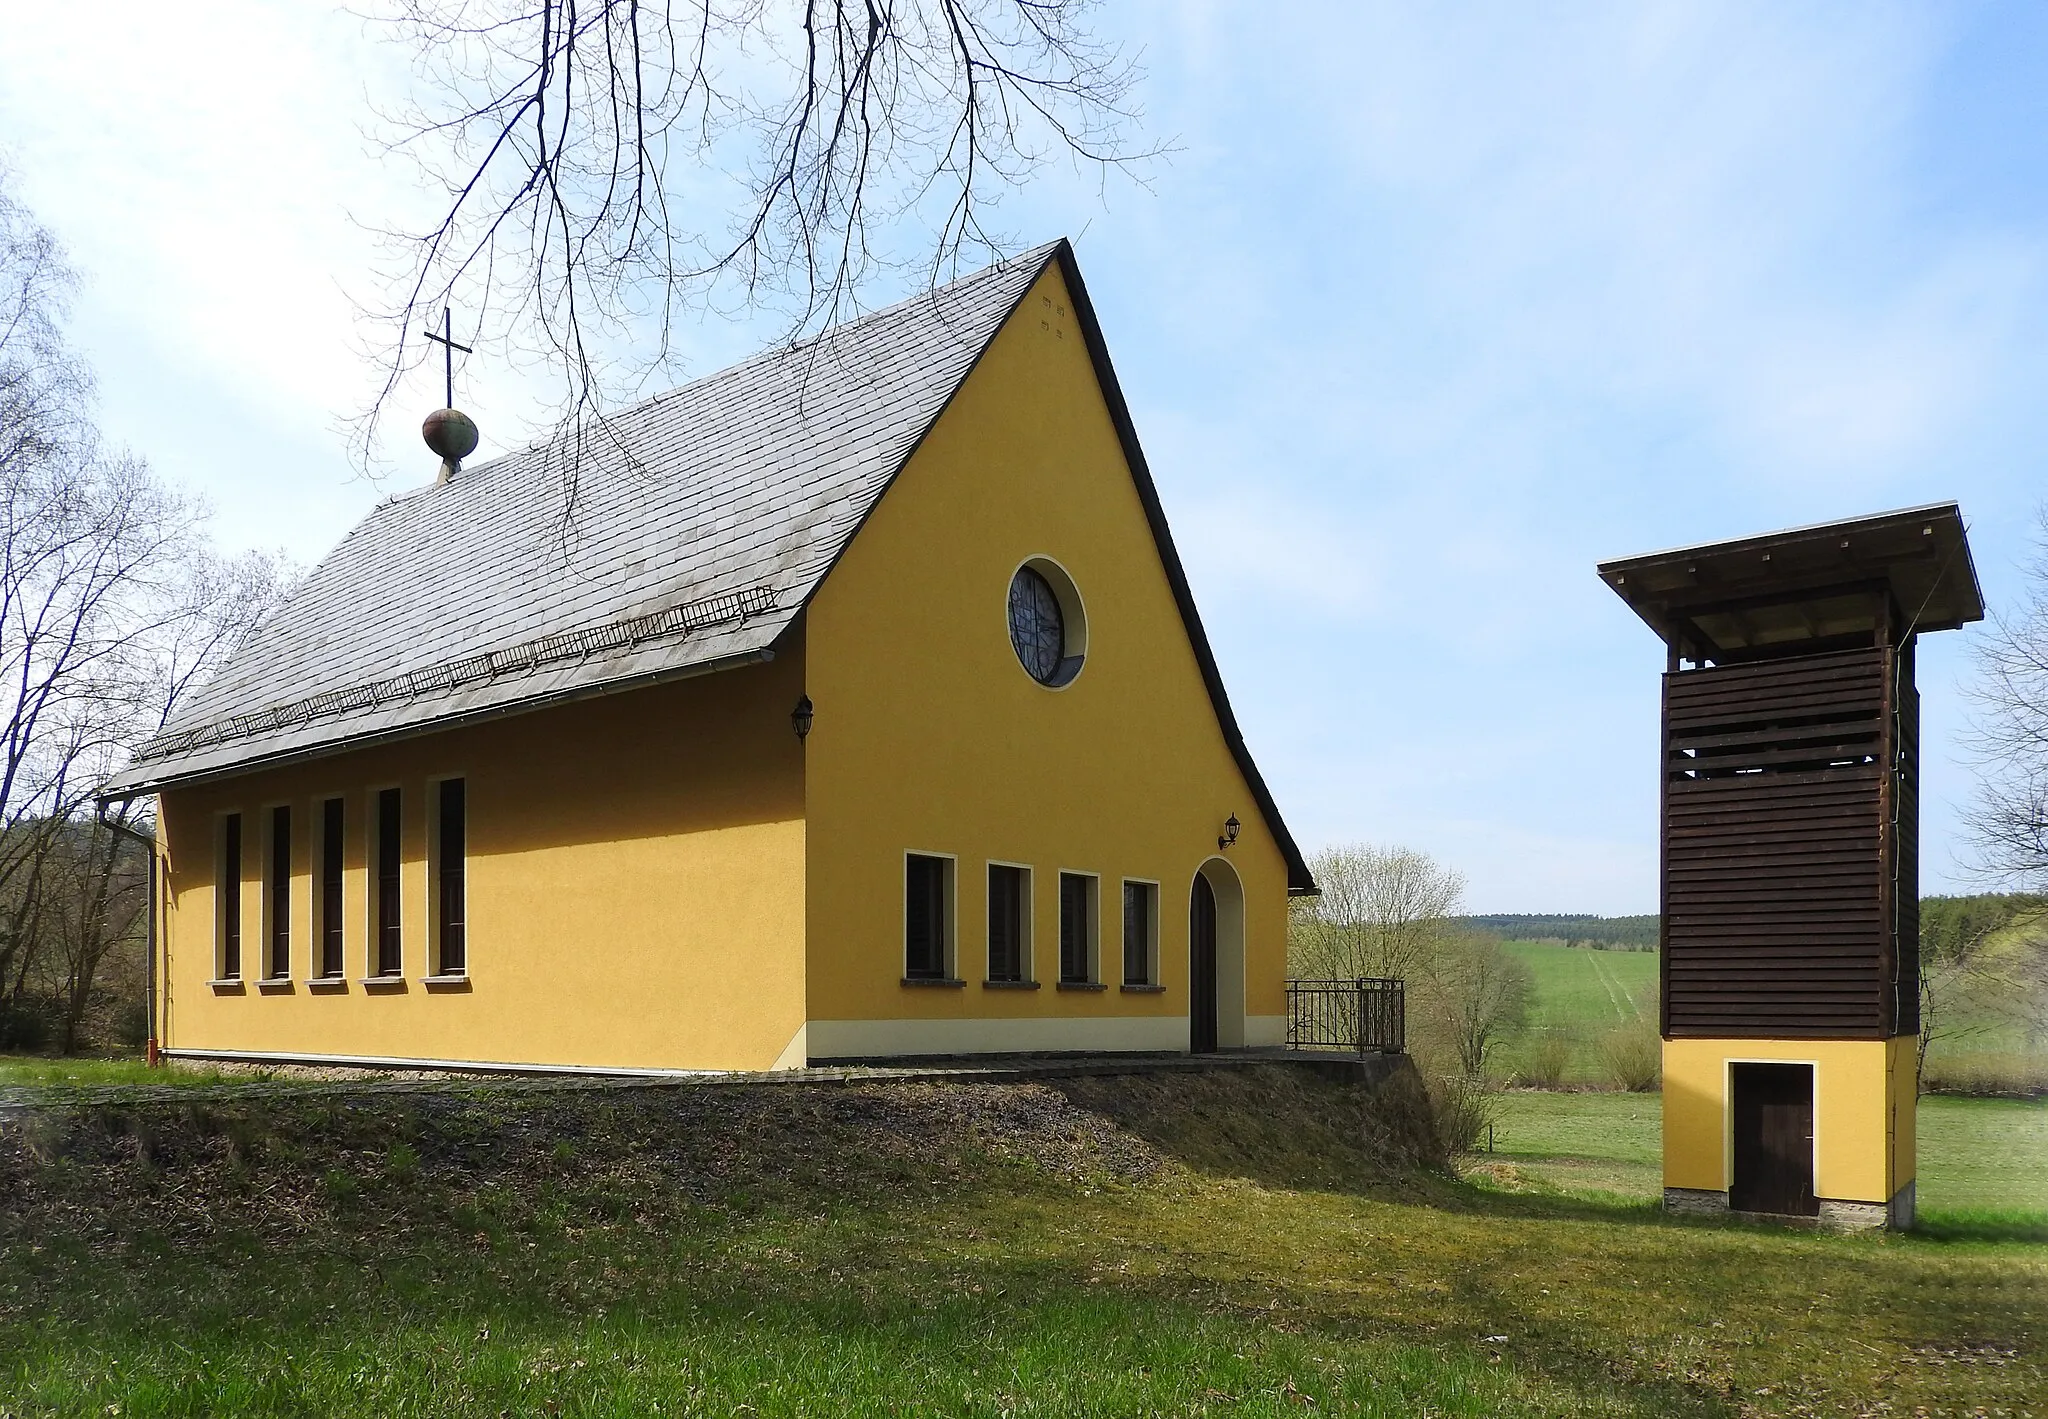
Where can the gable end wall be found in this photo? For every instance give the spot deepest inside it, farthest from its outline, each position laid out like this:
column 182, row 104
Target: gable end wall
column 930, row 736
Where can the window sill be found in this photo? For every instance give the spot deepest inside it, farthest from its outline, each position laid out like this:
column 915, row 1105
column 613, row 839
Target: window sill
column 230, row 983
column 332, row 983
column 1082, row 985
column 947, row 982
column 275, row 985
column 382, row 983
column 1143, row 989
column 1009, row 985
column 445, row 982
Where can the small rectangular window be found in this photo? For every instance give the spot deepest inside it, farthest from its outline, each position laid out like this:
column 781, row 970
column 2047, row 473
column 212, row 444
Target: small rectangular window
column 927, row 916
column 1077, row 928
column 228, row 897
column 333, row 821
column 277, row 899
column 390, row 957
column 1141, row 931
column 1009, row 911
column 450, row 900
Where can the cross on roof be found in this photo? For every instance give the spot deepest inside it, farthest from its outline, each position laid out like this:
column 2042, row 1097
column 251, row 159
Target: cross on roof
column 446, row 339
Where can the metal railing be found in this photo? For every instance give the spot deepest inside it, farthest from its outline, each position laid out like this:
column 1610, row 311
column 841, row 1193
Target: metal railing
column 1367, row 1016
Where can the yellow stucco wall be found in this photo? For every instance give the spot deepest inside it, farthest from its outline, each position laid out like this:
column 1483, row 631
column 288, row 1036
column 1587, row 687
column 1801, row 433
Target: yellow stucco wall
column 930, row 736
column 634, row 893
column 1864, row 1099
column 1904, row 1069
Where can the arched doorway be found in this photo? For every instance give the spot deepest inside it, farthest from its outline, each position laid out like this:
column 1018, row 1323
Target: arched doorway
column 1215, row 959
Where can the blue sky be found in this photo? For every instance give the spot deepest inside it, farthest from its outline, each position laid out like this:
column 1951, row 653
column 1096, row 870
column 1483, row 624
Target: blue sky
column 1434, row 307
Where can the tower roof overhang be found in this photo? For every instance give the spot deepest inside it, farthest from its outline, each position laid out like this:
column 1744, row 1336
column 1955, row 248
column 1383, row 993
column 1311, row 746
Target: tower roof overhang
column 1807, row 588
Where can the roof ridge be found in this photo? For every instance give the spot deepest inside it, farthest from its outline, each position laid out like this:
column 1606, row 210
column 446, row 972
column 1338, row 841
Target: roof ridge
column 1035, row 256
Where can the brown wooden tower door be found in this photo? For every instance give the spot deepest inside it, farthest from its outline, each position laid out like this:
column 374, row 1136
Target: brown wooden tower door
column 1202, row 967
column 1773, row 1127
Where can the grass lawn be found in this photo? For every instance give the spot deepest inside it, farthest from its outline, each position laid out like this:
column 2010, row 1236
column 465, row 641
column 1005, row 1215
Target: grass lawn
column 1979, row 1158
column 35, row 1069
column 1222, row 1244
column 78, row 1069
column 1584, row 1142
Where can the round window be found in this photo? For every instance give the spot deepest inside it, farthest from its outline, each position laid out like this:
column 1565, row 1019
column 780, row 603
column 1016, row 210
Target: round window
column 1045, row 627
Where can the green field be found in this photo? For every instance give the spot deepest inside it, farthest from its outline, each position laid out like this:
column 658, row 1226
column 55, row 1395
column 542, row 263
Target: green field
column 1579, row 996
column 1226, row 1243
column 1978, row 1157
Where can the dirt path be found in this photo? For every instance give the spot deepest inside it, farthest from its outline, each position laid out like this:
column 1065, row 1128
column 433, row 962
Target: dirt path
column 1617, row 994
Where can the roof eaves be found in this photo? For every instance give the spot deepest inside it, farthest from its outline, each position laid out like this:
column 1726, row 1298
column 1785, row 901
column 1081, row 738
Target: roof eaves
column 1782, row 535
column 140, row 779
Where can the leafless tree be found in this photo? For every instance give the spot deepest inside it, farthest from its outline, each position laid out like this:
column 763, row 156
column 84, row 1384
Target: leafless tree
column 2009, row 736
column 1983, row 971
column 1476, row 993
column 602, row 167
column 112, row 605
column 1384, row 911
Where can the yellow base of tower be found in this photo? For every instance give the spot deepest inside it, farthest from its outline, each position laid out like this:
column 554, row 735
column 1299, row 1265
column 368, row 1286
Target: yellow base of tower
column 1864, row 1097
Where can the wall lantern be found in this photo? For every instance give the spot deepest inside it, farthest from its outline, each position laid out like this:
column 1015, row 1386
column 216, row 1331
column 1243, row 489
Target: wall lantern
column 800, row 717
column 1230, row 827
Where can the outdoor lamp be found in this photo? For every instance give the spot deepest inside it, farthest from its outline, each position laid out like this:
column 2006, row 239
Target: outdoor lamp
column 1230, row 827
column 800, row 717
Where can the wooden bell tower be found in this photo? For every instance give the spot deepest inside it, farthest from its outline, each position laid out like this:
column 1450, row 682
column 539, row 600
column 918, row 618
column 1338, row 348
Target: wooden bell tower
column 1789, row 790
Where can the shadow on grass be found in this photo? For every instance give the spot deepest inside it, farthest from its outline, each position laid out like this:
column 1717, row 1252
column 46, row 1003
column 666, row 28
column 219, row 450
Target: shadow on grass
column 1941, row 1225
column 562, row 1330
column 1289, row 1128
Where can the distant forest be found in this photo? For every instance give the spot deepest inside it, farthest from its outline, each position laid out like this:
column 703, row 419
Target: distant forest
column 1945, row 923
column 1622, row 933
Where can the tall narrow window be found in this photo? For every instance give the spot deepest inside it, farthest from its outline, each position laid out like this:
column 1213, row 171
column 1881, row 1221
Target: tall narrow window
column 1141, row 923
column 277, row 904
column 449, row 890
column 332, row 823
column 390, row 961
column 228, row 894
column 927, row 916
column 1077, row 928
column 1008, row 903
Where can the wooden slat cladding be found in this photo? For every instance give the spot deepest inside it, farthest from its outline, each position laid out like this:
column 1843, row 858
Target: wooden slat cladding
column 1778, row 849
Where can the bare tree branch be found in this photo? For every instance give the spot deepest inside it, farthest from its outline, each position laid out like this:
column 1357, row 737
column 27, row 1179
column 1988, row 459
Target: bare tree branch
column 2008, row 741
column 112, row 606
column 611, row 165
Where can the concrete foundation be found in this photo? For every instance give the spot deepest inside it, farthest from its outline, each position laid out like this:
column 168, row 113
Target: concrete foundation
column 1695, row 1202
column 1836, row 1214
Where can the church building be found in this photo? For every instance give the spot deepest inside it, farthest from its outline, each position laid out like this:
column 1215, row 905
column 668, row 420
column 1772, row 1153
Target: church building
column 855, row 707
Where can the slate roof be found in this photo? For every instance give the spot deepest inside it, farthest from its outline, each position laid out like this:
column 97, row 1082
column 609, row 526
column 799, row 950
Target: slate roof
column 703, row 522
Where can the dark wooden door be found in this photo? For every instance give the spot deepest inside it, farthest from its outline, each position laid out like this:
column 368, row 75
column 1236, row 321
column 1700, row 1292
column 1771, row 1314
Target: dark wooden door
column 1773, row 1139
column 1202, row 967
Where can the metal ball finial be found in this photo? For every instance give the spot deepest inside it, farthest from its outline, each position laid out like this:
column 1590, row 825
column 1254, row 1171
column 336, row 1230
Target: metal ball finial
column 452, row 434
